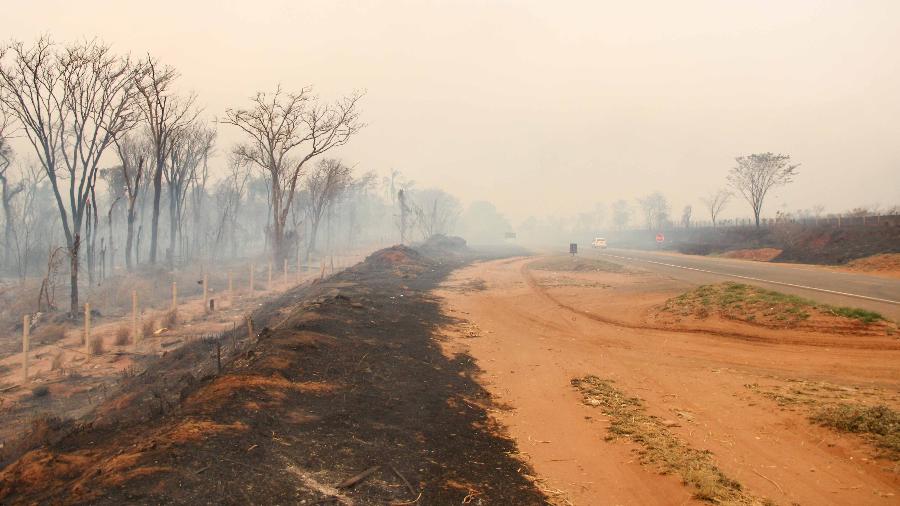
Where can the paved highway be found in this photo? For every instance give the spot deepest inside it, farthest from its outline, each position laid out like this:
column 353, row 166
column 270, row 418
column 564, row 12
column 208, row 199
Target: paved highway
column 875, row 293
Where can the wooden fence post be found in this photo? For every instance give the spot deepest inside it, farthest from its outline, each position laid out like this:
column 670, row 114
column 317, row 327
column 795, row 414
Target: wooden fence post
column 174, row 295
column 26, row 328
column 134, row 316
column 206, row 292
column 87, row 327
column 252, row 268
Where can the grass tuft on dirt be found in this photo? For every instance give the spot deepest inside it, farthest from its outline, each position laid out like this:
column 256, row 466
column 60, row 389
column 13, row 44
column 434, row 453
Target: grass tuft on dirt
column 879, row 423
column 661, row 448
column 739, row 301
column 568, row 263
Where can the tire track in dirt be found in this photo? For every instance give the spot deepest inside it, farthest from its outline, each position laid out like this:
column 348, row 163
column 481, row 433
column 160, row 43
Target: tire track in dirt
column 530, row 348
column 533, row 283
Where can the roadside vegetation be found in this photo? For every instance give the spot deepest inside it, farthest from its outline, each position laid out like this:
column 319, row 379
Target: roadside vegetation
column 738, row 301
column 659, row 447
column 862, row 411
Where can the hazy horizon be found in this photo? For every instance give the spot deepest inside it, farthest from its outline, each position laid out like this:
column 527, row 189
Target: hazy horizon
column 549, row 110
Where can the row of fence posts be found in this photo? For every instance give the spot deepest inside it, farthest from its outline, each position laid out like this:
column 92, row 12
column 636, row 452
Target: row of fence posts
column 135, row 314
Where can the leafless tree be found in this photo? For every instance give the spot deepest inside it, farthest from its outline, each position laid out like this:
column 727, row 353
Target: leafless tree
column 656, row 210
column 621, row 213
column 72, row 102
column 686, row 216
column 191, row 146
column 286, row 130
column 166, row 115
column 758, row 173
column 436, row 212
column 9, row 190
column 324, row 185
column 134, row 153
column 716, row 202
column 405, row 212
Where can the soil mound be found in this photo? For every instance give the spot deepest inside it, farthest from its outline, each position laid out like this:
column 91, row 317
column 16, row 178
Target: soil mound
column 888, row 263
column 395, row 256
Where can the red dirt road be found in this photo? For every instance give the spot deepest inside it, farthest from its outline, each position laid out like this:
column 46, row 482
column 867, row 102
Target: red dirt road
column 532, row 338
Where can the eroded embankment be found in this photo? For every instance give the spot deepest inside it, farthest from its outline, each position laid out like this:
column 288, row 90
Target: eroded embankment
column 344, row 398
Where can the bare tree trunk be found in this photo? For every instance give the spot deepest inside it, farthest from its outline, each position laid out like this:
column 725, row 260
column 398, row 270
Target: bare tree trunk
column 74, row 245
column 129, row 237
column 154, row 225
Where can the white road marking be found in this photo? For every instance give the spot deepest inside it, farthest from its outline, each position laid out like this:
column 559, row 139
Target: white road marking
column 835, row 292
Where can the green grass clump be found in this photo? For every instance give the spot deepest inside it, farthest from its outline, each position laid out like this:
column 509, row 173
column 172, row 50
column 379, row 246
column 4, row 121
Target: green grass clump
column 880, row 423
column 749, row 303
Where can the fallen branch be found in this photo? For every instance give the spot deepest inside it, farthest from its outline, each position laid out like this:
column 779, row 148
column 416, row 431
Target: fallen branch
column 773, row 482
column 353, row 480
column 405, row 481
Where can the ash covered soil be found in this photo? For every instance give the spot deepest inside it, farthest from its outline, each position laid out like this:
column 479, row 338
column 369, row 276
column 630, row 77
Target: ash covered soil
column 345, row 397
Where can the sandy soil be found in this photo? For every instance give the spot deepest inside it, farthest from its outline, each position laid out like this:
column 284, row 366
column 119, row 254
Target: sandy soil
column 887, row 265
column 533, row 332
column 759, row 255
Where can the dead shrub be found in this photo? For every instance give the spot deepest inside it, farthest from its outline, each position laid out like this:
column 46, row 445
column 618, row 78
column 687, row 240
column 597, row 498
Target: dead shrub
column 50, row 333
column 148, row 328
column 40, row 391
column 170, row 320
column 123, row 335
column 96, row 346
column 57, row 362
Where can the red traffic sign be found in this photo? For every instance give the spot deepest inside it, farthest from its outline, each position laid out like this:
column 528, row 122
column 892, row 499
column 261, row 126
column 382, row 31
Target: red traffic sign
column 660, row 238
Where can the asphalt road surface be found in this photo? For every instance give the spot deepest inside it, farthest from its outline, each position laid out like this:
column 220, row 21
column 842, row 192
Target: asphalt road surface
column 825, row 285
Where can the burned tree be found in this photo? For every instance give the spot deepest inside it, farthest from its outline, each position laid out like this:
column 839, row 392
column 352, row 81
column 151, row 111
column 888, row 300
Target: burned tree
column 715, row 203
column 286, row 130
column 9, row 191
column 190, row 147
column 323, row 186
column 656, row 210
column 72, row 103
column 166, row 114
column 756, row 174
column 436, row 212
column 134, row 155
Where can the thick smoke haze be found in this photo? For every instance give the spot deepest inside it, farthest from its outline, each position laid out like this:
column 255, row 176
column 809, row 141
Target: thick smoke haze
column 547, row 108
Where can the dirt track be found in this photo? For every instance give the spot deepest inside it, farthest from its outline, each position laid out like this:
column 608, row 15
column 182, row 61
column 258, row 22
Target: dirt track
column 536, row 331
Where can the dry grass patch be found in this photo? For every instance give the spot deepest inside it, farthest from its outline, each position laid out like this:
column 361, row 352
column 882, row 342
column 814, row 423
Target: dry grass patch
column 148, row 327
column 574, row 263
column 96, row 346
column 659, row 447
column 123, row 335
column 170, row 319
column 50, row 333
column 880, row 424
column 858, row 410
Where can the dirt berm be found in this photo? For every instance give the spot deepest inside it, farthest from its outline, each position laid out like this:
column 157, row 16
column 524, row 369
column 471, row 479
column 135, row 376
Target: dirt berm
column 344, row 398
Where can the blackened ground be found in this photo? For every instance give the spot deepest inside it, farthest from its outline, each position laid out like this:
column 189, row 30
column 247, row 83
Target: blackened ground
column 346, row 375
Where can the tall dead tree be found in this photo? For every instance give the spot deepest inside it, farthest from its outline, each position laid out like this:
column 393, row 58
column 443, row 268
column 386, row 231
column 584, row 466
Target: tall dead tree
column 286, row 130
column 755, row 175
column 166, row 114
column 190, row 147
column 134, row 154
column 9, row 191
column 324, row 185
column 72, row 102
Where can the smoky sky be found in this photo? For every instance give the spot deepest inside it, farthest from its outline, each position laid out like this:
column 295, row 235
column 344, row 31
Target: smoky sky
column 548, row 108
